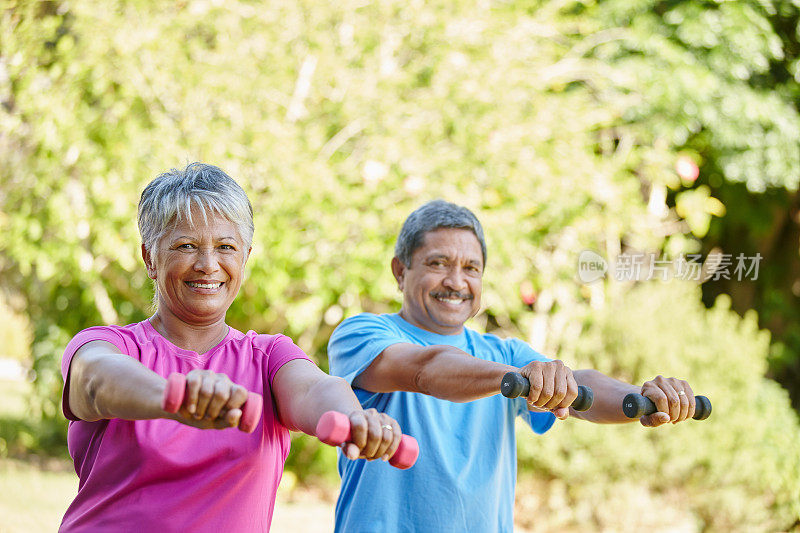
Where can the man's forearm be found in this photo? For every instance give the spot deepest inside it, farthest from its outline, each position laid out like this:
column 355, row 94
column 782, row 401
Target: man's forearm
column 454, row 375
column 608, row 395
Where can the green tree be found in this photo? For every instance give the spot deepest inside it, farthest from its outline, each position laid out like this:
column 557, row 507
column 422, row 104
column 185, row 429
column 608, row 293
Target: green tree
column 338, row 121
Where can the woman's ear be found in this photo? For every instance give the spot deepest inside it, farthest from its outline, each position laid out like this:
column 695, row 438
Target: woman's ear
column 148, row 263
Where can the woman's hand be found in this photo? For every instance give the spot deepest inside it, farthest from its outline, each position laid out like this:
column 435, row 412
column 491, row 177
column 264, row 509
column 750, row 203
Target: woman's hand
column 211, row 401
column 373, row 435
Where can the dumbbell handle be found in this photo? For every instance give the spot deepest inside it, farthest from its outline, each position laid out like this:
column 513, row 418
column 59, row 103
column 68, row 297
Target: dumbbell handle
column 636, row 406
column 515, row 384
column 334, row 428
column 176, row 389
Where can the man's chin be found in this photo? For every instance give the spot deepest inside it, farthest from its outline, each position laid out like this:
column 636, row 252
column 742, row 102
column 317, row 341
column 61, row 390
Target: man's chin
column 451, row 322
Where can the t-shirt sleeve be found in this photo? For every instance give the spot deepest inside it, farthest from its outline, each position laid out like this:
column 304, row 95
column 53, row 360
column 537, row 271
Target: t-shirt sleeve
column 357, row 341
column 520, row 354
column 282, row 350
column 97, row 333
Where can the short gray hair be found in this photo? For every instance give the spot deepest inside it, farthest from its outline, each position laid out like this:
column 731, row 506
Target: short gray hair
column 169, row 199
column 431, row 216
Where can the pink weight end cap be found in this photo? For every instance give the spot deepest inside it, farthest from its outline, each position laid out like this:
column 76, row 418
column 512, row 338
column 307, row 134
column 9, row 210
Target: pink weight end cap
column 333, row 428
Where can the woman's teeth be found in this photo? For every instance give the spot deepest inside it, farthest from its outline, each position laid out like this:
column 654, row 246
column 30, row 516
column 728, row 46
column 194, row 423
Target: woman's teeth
column 204, row 285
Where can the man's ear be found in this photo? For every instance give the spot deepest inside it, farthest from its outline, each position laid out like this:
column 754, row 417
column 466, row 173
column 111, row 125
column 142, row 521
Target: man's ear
column 399, row 271
column 148, row 263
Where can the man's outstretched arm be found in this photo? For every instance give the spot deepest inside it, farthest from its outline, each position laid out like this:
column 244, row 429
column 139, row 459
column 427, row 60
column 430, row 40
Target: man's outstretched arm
column 673, row 398
column 452, row 374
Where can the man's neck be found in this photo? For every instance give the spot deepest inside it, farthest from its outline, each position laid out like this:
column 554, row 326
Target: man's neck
column 455, row 330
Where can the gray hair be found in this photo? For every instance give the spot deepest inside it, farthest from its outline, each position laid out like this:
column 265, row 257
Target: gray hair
column 169, row 199
column 432, row 216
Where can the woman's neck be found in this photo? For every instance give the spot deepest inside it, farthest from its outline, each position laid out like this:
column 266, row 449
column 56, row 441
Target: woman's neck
column 197, row 338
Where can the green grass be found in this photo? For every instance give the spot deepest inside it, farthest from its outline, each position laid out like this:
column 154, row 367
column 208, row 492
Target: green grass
column 34, row 492
column 34, row 497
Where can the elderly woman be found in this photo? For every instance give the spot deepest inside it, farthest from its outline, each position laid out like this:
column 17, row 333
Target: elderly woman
column 144, row 469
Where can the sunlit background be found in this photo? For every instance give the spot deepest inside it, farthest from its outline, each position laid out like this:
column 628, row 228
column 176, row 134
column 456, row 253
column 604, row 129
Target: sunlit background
column 619, row 126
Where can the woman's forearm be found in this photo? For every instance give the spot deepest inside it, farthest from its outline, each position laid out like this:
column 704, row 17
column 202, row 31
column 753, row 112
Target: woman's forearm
column 112, row 385
column 329, row 393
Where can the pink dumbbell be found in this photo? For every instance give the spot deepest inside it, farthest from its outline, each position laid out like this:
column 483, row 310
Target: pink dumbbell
column 176, row 388
column 334, row 428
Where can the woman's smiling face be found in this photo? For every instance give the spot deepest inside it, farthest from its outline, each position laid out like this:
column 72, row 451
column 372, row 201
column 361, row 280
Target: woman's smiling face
column 198, row 268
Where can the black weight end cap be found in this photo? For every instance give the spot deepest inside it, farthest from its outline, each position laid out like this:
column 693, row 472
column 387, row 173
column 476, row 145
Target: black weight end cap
column 702, row 408
column 514, row 385
column 634, row 405
column 584, row 400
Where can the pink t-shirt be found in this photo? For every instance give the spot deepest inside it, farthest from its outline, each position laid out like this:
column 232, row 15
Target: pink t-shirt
column 160, row 475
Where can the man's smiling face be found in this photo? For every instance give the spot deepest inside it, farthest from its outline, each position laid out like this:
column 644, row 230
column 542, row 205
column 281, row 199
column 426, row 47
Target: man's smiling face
column 442, row 286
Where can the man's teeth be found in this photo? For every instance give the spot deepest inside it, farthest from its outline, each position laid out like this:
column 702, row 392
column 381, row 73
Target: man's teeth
column 204, row 285
column 451, row 300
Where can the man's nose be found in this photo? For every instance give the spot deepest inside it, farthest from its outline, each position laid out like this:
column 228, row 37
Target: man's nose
column 455, row 280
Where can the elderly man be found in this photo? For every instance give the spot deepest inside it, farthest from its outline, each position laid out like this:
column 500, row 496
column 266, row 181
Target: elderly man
column 440, row 381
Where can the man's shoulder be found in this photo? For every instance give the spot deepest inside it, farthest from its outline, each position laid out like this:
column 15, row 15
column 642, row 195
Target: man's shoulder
column 368, row 320
column 489, row 338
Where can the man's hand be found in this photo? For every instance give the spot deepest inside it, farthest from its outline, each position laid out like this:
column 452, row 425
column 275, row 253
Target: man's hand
column 553, row 388
column 674, row 400
column 212, row 401
column 373, row 435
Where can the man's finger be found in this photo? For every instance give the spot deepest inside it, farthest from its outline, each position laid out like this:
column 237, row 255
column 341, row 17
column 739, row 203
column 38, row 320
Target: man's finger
column 560, row 385
column 535, row 378
column 655, row 420
column 548, row 379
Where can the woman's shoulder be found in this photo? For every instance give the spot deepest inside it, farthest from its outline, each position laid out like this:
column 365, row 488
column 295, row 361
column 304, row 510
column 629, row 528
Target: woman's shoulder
column 136, row 331
column 268, row 344
column 128, row 338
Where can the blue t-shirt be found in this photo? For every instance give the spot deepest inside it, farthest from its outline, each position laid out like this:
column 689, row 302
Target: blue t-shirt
column 465, row 475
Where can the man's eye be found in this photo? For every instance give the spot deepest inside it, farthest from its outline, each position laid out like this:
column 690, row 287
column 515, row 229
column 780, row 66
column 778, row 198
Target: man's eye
column 227, row 247
column 186, row 246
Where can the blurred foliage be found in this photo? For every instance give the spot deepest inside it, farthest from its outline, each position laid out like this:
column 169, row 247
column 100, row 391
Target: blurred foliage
column 564, row 125
column 15, row 332
column 726, row 468
column 719, row 82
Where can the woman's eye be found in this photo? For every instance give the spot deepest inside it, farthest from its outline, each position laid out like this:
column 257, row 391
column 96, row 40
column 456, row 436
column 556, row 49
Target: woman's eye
column 186, row 246
column 227, row 247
